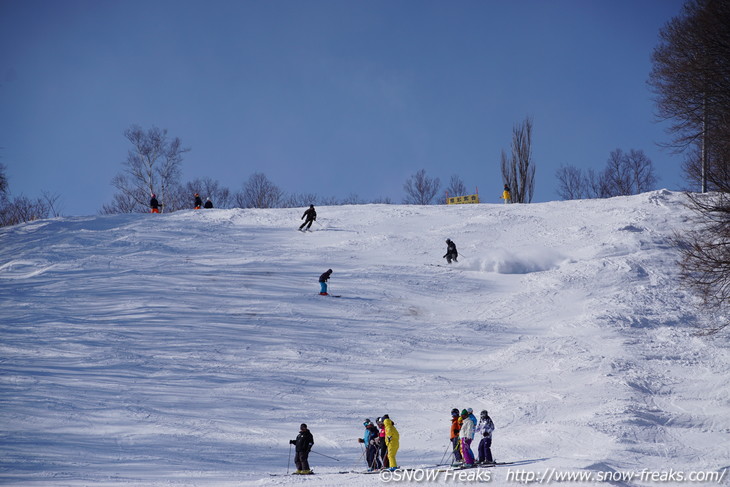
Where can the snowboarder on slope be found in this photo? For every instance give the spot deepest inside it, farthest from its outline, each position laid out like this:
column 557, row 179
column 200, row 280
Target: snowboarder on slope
column 208, row 203
column 303, row 444
column 455, row 427
column 466, row 434
column 154, row 204
column 392, row 439
column 451, row 253
column 485, row 429
column 323, row 282
column 198, row 201
column 311, row 215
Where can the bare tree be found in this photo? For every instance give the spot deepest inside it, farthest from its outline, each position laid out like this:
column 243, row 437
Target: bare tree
column 518, row 170
column 152, row 166
column 3, row 181
column 456, row 186
column 298, row 200
column 420, row 189
column 623, row 175
column 572, row 183
column 691, row 80
column 19, row 209
column 705, row 251
column 259, row 192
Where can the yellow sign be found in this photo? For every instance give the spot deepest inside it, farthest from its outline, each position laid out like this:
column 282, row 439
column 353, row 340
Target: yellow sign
column 463, row 200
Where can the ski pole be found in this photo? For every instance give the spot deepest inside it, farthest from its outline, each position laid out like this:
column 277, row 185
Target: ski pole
column 443, row 457
column 320, row 454
column 288, row 462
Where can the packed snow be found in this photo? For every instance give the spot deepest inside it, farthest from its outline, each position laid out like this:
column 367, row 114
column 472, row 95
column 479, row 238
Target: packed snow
column 186, row 348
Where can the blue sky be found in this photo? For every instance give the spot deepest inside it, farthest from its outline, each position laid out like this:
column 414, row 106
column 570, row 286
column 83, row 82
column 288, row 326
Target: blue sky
column 331, row 97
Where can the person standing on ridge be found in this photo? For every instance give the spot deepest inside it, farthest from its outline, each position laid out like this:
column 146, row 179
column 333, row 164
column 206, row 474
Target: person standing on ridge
column 323, row 282
column 451, row 253
column 198, row 202
column 506, row 195
column 392, row 439
column 303, row 444
column 154, row 204
column 311, row 215
column 485, row 429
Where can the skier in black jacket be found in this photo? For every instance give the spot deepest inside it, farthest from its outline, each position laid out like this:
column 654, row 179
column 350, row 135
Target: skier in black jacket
column 311, row 215
column 303, row 444
column 323, row 282
column 154, row 204
column 451, row 253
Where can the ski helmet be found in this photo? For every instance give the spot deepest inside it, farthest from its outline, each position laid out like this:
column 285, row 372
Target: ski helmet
column 484, row 413
column 454, row 412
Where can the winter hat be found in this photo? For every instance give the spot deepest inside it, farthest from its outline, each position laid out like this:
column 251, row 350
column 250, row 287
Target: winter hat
column 484, row 413
column 303, row 426
column 385, row 416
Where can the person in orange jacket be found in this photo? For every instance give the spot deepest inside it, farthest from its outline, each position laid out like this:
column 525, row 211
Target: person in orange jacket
column 455, row 428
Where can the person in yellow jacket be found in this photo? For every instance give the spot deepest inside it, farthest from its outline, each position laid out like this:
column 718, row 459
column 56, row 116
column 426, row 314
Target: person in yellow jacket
column 506, row 195
column 392, row 440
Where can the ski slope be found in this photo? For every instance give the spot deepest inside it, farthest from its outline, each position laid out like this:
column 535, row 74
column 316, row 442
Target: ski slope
column 186, row 348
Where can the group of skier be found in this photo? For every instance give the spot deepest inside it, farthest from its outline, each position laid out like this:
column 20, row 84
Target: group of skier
column 381, row 441
column 197, row 204
column 464, row 427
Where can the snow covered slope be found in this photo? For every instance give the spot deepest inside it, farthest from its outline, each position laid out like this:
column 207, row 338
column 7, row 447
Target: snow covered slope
column 186, row 349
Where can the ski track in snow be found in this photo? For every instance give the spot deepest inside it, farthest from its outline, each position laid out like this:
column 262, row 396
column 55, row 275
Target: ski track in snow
column 185, row 349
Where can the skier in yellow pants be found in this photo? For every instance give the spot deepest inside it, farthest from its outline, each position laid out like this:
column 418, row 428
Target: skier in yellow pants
column 392, row 440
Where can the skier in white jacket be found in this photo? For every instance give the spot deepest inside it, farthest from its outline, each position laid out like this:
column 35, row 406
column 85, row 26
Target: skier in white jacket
column 484, row 431
column 466, row 435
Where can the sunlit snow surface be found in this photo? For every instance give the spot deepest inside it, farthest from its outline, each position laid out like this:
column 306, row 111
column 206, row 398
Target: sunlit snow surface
column 186, row 349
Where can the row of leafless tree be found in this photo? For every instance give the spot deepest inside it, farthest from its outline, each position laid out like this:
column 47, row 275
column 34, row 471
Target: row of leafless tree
column 19, row 209
column 691, row 81
column 624, row 174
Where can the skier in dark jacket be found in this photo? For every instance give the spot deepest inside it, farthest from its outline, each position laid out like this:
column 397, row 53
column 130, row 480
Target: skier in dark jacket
column 303, row 444
column 485, row 429
column 198, row 201
column 371, row 439
column 154, row 204
column 451, row 253
column 311, row 215
column 323, row 282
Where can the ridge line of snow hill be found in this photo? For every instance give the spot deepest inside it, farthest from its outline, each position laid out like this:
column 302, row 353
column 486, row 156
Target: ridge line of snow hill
column 186, row 348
